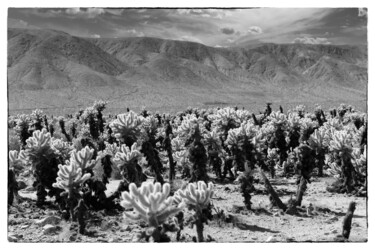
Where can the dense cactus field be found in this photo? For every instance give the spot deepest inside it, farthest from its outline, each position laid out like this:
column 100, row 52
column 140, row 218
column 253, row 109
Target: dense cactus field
column 199, row 175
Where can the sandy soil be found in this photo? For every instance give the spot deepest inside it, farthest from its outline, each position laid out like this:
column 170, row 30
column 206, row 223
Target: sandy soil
column 262, row 224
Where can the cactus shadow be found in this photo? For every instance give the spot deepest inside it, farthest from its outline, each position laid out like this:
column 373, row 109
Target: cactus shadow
column 341, row 214
column 244, row 226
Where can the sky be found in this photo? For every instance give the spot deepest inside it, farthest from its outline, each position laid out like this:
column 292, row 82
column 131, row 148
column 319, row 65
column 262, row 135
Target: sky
column 212, row 27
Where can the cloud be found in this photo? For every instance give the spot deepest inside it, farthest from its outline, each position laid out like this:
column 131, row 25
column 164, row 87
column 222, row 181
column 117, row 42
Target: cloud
column 190, row 39
column 134, row 32
column 311, row 40
column 85, row 13
column 227, row 31
column 20, row 24
column 362, row 12
column 207, row 13
column 95, row 36
column 255, row 30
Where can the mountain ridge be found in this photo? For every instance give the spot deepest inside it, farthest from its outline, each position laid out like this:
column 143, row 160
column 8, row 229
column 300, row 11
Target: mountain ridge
column 54, row 60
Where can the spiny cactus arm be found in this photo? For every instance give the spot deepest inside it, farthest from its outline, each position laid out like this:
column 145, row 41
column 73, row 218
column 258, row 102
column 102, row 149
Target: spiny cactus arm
column 169, row 212
column 141, row 195
column 130, row 202
column 185, row 197
column 197, row 195
column 40, row 138
column 83, row 157
column 70, row 176
column 149, row 203
column 13, row 158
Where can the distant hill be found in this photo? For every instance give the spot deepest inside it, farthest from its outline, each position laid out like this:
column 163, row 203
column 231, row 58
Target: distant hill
column 62, row 65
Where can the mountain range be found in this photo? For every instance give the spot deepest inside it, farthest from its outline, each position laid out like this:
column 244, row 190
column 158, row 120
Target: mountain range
column 51, row 69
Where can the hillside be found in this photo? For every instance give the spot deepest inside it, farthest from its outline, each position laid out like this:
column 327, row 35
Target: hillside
column 68, row 71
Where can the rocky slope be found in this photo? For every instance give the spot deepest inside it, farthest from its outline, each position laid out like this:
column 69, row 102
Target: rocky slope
column 48, row 60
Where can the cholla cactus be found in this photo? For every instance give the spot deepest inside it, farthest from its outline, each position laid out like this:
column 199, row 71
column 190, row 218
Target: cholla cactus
column 278, row 118
column 341, row 142
column 301, row 109
column 84, row 158
column 197, row 197
column 127, row 127
column 224, row 120
column 212, row 139
column 127, row 156
column 307, row 128
column 177, row 144
column 183, row 163
column 127, row 161
column 188, row 125
column 242, row 115
column 100, row 105
column 44, row 161
column 334, row 170
column 152, row 204
column 37, row 119
column 14, row 161
column 70, row 179
column 316, row 142
column 22, row 128
column 39, row 139
column 62, row 148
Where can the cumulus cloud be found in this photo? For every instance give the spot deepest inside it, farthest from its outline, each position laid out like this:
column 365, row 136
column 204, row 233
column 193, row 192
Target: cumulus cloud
column 311, row 40
column 227, row 31
column 362, row 11
column 95, row 36
column 85, row 13
column 255, row 30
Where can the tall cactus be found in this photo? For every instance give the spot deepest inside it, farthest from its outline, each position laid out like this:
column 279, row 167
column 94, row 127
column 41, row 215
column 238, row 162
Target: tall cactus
column 197, row 197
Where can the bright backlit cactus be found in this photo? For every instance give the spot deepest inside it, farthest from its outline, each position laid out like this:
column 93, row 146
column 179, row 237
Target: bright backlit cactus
column 84, row 158
column 341, row 141
column 14, row 161
column 151, row 203
column 127, row 156
column 316, row 142
column 214, row 150
column 127, row 127
column 44, row 161
column 70, row 179
column 37, row 119
column 62, row 148
column 40, row 138
column 197, row 196
column 224, row 120
column 22, row 128
column 183, row 163
column 278, row 118
column 127, row 161
column 15, row 165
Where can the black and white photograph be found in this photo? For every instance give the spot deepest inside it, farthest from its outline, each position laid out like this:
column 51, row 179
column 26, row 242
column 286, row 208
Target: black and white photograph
column 187, row 124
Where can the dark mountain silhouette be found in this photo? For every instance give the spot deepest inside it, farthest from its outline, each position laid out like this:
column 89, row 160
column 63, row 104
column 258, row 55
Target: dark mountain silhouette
column 48, row 59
